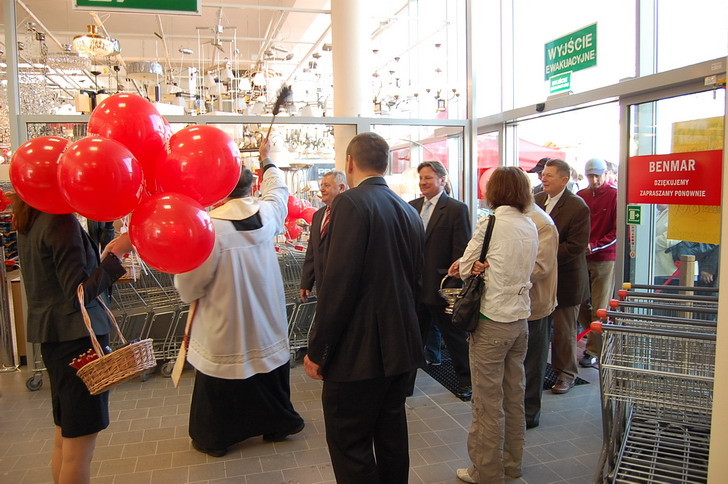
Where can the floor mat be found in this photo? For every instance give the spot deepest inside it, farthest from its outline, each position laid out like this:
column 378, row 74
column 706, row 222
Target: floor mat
column 445, row 374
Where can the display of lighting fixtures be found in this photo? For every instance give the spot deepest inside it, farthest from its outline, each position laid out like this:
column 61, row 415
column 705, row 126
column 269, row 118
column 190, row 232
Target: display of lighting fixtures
column 93, row 44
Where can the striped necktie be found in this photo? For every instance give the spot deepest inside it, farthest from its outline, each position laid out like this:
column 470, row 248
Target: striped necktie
column 325, row 223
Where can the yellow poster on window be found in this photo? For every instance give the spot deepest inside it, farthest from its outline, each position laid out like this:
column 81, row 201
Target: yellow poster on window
column 696, row 223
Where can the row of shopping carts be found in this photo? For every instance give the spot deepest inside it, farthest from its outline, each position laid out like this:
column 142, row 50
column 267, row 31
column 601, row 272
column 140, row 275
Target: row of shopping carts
column 656, row 374
column 151, row 308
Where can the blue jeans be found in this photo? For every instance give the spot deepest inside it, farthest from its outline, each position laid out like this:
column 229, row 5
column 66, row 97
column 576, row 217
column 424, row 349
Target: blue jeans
column 433, row 345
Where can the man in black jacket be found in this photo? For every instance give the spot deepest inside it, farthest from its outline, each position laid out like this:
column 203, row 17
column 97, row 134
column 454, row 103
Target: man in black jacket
column 365, row 341
column 447, row 232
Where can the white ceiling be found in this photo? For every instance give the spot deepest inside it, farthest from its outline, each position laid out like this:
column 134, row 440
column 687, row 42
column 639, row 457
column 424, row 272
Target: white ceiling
column 251, row 34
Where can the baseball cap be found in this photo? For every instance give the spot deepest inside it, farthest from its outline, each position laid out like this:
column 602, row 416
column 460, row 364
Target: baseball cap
column 595, row 166
column 539, row 166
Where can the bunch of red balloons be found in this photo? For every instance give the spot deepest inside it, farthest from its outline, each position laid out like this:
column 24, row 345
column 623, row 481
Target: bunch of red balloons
column 132, row 163
column 298, row 209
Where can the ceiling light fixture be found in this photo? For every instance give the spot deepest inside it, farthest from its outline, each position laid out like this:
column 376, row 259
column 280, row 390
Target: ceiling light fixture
column 93, row 44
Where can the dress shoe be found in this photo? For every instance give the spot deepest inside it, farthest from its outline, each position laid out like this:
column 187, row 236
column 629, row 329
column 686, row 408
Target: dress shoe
column 464, row 392
column 210, row 452
column 562, row 387
column 589, row 361
column 433, row 363
column 464, row 476
column 531, row 424
column 280, row 436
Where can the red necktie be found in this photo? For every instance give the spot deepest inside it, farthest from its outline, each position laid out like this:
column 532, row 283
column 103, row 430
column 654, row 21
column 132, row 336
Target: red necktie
column 325, row 223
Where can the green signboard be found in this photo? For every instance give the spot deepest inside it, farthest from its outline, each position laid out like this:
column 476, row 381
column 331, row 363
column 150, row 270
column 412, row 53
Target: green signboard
column 634, row 214
column 560, row 82
column 190, row 7
column 572, row 52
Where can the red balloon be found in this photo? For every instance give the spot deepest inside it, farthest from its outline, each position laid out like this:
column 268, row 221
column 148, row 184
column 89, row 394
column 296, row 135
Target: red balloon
column 134, row 122
column 203, row 163
column 100, row 178
column 34, row 174
column 307, row 213
column 172, row 232
column 294, row 207
column 293, row 230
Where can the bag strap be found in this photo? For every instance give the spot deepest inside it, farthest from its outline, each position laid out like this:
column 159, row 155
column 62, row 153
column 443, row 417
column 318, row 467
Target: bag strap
column 87, row 321
column 486, row 239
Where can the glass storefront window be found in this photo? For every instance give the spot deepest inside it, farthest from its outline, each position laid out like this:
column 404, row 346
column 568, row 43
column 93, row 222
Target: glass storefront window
column 688, row 33
column 411, row 145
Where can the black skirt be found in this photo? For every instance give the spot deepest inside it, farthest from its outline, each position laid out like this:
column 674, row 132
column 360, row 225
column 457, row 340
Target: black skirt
column 225, row 412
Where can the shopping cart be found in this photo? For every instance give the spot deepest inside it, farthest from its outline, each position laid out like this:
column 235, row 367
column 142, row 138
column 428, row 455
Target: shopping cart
column 656, row 378
column 300, row 314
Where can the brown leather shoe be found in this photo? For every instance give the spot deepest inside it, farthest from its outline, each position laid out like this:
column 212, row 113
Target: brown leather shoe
column 562, row 387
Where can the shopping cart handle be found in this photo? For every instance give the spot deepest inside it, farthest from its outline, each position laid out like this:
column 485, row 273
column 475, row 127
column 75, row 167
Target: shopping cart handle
column 614, row 303
column 622, row 293
column 626, row 286
column 596, row 326
column 602, row 313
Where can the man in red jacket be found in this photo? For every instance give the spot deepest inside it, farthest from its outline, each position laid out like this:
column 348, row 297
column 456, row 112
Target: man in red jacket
column 601, row 198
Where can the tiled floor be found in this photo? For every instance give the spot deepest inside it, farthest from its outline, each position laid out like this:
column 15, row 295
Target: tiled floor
column 147, row 441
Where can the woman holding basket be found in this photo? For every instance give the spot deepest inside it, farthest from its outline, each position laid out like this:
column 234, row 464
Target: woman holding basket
column 498, row 344
column 56, row 256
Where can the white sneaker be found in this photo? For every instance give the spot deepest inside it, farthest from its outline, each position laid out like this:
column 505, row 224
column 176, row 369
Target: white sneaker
column 464, row 476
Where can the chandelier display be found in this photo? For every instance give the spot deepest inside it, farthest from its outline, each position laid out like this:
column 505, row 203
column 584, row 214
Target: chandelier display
column 93, row 44
column 67, row 60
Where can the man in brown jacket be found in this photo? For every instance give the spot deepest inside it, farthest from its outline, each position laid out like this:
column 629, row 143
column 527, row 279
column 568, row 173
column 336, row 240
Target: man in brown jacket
column 571, row 216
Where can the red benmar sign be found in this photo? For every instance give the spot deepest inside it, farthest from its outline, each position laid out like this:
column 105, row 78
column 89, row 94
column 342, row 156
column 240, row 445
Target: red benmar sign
column 692, row 178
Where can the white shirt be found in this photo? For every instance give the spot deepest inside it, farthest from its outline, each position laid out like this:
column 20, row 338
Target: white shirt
column 511, row 255
column 240, row 327
column 552, row 201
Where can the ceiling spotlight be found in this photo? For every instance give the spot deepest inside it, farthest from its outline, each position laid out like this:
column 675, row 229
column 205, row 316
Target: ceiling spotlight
column 316, row 55
column 289, row 56
column 326, row 47
column 185, row 50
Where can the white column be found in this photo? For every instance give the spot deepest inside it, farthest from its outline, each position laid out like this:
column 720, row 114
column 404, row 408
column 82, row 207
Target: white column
column 352, row 68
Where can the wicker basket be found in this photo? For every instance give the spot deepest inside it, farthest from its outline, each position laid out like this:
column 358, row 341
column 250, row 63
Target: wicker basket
column 117, row 367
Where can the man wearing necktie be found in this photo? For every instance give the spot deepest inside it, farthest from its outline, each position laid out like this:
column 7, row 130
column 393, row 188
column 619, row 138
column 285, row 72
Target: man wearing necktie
column 447, row 232
column 332, row 184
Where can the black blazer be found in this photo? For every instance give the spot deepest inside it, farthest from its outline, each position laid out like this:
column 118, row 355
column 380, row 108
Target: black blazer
column 366, row 320
column 446, row 237
column 313, row 265
column 101, row 233
column 572, row 219
column 56, row 255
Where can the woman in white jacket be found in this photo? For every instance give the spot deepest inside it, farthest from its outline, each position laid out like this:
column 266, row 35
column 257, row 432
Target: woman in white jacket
column 498, row 345
column 239, row 339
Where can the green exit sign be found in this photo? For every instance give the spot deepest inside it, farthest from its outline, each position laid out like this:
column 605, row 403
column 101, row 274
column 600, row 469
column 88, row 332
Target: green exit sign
column 188, row 7
column 561, row 82
column 572, row 52
column 634, row 214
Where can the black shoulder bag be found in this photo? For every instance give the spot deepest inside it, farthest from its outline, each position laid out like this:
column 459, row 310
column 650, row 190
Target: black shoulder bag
column 466, row 310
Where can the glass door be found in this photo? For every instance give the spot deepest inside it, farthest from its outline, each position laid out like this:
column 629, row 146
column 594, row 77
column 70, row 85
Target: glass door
column 673, row 189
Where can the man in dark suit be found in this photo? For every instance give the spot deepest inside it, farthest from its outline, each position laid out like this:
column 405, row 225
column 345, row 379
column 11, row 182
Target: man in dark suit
column 447, row 232
column 571, row 216
column 332, row 183
column 365, row 341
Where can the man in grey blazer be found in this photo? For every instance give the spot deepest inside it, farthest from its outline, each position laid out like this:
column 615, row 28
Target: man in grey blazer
column 571, row 216
column 332, row 183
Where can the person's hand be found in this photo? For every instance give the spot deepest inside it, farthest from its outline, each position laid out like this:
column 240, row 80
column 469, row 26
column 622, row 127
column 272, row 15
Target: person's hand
column 264, row 149
column 120, row 246
column 312, row 369
column 706, row 277
column 304, row 294
column 479, row 267
column 454, row 270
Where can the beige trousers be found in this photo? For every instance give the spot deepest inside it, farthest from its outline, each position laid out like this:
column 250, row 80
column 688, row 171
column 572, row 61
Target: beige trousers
column 563, row 345
column 497, row 434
